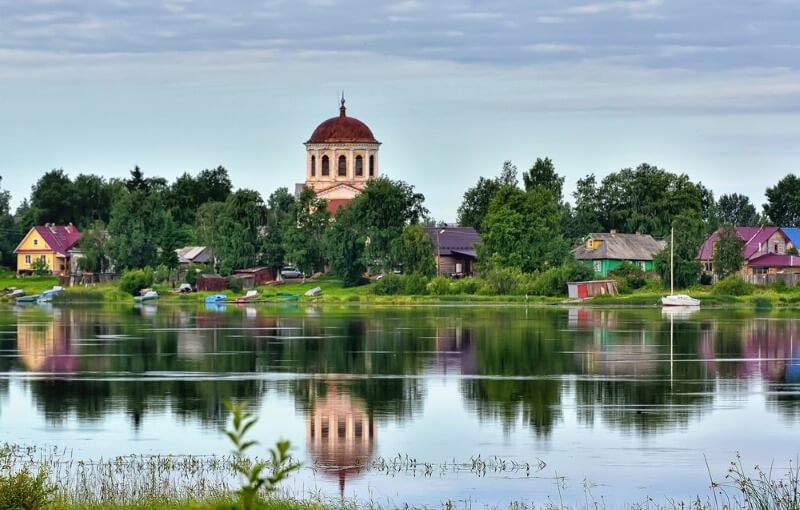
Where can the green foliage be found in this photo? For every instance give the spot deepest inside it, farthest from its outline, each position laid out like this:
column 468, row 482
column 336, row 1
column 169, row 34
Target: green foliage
column 279, row 206
column 523, row 230
column 762, row 303
column 304, row 231
column 728, row 258
column 194, row 270
column 502, row 281
column 238, row 239
column 732, row 286
column 22, row 490
column 188, row 193
column 792, row 251
column 139, row 228
column 414, row 251
column 9, row 233
column 133, row 281
column 736, row 210
column 645, row 199
column 783, row 207
column 93, row 245
column 415, row 284
column 260, row 477
column 388, row 285
column 689, row 235
column 475, row 204
column 553, row 282
column 468, row 286
column 439, row 286
column 543, row 174
column 344, row 245
column 39, row 266
column 629, row 276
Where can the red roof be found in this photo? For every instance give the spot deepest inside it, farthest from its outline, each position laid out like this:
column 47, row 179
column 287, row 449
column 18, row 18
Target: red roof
column 60, row 238
column 342, row 129
column 775, row 260
column 753, row 238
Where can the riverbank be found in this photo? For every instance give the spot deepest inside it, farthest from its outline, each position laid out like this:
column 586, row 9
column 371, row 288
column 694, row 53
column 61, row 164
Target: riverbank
column 334, row 292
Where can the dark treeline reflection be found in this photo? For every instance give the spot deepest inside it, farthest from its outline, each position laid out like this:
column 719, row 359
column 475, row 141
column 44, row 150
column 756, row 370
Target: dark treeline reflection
column 635, row 370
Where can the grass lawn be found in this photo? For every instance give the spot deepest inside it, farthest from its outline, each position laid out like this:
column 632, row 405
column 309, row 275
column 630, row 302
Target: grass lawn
column 30, row 284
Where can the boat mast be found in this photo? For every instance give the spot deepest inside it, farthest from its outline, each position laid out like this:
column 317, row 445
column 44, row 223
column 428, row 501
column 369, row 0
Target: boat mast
column 672, row 262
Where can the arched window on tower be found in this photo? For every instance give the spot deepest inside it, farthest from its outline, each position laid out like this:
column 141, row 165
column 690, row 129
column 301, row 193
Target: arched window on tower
column 325, row 166
column 342, row 166
column 372, row 166
column 359, row 166
column 313, row 166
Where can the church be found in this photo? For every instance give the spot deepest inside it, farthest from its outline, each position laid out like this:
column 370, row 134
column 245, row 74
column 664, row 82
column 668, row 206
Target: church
column 341, row 156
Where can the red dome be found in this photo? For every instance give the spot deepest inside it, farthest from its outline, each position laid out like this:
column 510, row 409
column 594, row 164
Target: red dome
column 342, row 129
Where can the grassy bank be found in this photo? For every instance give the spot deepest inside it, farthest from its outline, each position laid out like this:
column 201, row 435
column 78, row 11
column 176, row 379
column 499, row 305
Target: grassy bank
column 334, row 292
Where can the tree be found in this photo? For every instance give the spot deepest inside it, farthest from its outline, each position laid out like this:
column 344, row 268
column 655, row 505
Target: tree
column 303, row 231
column 689, row 235
column 39, row 266
column 239, row 242
column 736, row 210
column 728, row 252
column 475, row 204
column 93, row 246
column 138, row 182
column 523, row 230
column 208, row 221
column 543, row 173
column 139, row 230
column 381, row 211
column 587, row 214
column 93, row 198
column 9, row 233
column 414, row 251
column 188, row 193
column 783, row 202
column 279, row 205
column 344, row 245
column 53, row 199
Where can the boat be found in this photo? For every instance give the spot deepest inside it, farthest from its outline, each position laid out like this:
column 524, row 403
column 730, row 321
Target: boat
column 251, row 295
column 150, row 295
column 285, row 296
column 676, row 299
column 216, row 298
column 28, row 299
column 48, row 295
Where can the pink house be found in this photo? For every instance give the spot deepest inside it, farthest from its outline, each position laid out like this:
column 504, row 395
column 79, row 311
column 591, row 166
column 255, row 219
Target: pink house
column 758, row 243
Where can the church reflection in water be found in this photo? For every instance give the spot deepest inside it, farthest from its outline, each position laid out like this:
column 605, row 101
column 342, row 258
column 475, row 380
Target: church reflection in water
column 340, row 435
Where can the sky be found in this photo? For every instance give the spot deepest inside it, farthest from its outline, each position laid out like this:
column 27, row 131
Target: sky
column 452, row 88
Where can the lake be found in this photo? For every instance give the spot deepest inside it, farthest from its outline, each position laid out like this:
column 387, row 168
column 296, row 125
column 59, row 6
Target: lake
column 396, row 403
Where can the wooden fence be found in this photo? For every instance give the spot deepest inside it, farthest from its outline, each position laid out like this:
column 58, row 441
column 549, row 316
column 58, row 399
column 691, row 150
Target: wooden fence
column 789, row 279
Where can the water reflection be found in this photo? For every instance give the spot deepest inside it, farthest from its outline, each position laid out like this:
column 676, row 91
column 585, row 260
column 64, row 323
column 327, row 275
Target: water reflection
column 630, row 370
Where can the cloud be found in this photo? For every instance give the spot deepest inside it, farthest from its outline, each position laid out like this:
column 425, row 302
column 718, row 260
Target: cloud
column 554, row 48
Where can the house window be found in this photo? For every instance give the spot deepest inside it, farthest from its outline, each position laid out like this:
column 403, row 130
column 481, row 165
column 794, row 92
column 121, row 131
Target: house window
column 359, row 166
column 342, row 166
column 643, row 265
column 28, row 260
column 589, row 244
column 759, row 270
column 372, row 166
column 36, row 242
column 326, row 171
column 598, row 266
column 775, row 248
column 313, row 166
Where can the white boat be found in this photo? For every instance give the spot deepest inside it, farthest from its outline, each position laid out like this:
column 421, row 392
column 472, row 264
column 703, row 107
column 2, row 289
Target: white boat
column 676, row 299
column 680, row 300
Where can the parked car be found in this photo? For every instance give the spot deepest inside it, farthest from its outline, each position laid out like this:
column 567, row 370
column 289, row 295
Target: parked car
column 289, row 273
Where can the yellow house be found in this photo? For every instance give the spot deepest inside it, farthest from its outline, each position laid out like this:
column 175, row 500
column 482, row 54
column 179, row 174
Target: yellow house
column 51, row 243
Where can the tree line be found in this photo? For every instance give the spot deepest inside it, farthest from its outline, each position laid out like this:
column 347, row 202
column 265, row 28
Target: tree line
column 525, row 221
column 140, row 221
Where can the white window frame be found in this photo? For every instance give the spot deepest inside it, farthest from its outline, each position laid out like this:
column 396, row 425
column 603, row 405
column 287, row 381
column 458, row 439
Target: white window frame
column 27, row 260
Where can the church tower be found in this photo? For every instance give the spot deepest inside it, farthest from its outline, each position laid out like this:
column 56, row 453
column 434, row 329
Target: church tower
column 341, row 156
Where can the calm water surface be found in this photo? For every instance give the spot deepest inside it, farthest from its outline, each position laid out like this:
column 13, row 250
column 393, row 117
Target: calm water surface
column 628, row 401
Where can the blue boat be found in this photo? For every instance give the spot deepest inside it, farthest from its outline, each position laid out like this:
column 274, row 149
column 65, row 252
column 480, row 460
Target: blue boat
column 216, row 298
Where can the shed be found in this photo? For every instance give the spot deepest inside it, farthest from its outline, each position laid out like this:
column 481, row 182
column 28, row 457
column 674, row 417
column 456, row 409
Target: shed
column 583, row 290
column 455, row 249
column 260, row 275
column 211, row 282
column 248, row 281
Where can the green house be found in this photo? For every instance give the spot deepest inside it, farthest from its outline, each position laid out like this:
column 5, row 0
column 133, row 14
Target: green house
column 604, row 252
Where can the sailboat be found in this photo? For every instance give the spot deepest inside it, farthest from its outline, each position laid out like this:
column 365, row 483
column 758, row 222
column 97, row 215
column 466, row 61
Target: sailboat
column 675, row 299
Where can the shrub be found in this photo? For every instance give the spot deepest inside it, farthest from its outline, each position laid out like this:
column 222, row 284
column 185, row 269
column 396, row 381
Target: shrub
column 469, row 286
column 503, row 281
column 388, row 285
column 762, row 303
column 439, row 286
column 553, row 282
column 24, row 491
column 629, row 276
column 732, row 286
column 415, row 285
column 40, row 267
column 133, row 281
column 706, row 279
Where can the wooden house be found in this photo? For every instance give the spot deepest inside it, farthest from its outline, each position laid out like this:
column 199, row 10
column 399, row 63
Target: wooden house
column 455, row 249
column 50, row 243
column 605, row 252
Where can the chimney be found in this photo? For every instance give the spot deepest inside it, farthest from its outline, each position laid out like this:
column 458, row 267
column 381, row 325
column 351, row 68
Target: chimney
column 613, row 231
column 638, row 233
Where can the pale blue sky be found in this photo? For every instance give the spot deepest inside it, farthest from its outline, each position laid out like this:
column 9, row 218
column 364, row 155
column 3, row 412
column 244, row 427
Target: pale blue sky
column 452, row 88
